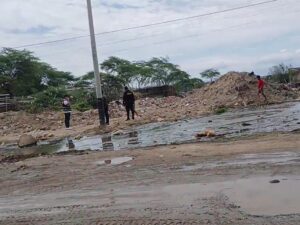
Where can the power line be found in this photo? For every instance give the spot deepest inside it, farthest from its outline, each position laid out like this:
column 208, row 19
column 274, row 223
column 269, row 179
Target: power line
column 155, row 35
column 149, row 25
column 179, row 38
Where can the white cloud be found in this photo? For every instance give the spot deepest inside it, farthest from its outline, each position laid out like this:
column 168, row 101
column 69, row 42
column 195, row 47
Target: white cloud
column 249, row 39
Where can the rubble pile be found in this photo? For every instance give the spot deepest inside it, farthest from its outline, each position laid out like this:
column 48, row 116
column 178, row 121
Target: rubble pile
column 237, row 89
column 231, row 90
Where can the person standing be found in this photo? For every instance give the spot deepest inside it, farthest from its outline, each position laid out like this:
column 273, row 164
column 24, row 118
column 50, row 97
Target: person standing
column 106, row 110
column 128, row 102
column 67, row 111
column 260, row 86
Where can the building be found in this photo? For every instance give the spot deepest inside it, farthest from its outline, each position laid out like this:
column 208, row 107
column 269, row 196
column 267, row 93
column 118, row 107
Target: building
column 163, row 91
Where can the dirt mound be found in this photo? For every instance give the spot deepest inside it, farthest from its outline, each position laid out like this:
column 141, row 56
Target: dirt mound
column 238, row 89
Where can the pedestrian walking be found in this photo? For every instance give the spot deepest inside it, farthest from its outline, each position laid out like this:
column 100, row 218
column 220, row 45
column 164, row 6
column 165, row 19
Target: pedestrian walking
column 67, row 111
column 129, row 103
column 260, row 86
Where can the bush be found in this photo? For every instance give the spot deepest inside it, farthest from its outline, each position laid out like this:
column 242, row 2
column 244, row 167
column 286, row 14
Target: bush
column 83, row 100
column 221, row 110
column 48, row 99
column 82, row 106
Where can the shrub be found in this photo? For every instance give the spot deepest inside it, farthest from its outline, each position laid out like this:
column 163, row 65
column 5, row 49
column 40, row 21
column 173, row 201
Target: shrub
column 48, row 99
column 221, row 110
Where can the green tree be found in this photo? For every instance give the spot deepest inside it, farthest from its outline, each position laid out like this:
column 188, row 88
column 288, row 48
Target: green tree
column 19, row 72
column 210, row 74
column 112, row 86
column 280, row 73
column 55, row 78
column 23, row 74
column 189, row 84
column 121, row 68
column 164, row 72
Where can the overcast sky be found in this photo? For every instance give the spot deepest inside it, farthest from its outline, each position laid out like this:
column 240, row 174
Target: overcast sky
column 249, row 39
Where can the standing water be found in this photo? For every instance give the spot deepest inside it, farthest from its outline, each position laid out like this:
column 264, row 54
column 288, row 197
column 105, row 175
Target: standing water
column 235, row 123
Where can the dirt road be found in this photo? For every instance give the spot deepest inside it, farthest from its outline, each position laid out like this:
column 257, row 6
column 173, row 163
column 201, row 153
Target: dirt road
column 203, row 183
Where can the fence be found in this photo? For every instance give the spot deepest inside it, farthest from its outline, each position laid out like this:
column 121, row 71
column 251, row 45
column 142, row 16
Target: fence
column 157, row 91
column 5, row 104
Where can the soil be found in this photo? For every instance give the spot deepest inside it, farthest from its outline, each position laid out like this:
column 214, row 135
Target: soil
column 153, row 185
column 231, row 90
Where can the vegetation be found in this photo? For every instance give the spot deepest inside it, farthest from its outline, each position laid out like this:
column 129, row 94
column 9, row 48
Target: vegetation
column 155, row 72
column 23, row 74
column 281, row 74
column 210, row 74
column 49, row 98
column 221, row 110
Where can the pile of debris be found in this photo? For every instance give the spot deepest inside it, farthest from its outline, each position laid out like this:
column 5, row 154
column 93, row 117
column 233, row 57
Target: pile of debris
column 231, row 90
column 238, row 89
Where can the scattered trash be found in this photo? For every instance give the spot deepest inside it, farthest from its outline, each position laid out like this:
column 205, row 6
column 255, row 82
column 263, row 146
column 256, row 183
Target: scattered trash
column 115, row 161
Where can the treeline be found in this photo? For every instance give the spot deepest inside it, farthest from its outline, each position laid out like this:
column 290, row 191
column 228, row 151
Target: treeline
column 23, row 74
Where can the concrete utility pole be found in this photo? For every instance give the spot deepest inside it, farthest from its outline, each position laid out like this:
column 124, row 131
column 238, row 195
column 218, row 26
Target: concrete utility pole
column 96, row 65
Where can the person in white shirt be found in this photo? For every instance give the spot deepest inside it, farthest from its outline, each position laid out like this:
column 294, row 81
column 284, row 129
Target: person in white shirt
column 67, row 111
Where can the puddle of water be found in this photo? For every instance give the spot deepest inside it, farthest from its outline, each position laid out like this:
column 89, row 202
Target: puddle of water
column 259, row 197
column 249, row 159
column 256, row 196
column 284, row 117
column 115, row 161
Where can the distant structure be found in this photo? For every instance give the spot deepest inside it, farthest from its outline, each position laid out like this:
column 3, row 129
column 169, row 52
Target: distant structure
column 163, row 91
column 295, row 75
column 5, row 103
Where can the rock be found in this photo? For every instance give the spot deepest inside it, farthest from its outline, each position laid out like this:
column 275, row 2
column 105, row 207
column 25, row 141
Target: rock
column 200, row 135
column 245, row 124
column 44, row 128
column 50, row 135
column 107, row 161
column 26, row 140
column 160, row 119
column 78, row 137
column 210, row 133
column 210, row 121
column 275, row 181
column 206, row 133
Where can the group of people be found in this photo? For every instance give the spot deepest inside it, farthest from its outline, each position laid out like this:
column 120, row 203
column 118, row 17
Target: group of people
column 128, row 103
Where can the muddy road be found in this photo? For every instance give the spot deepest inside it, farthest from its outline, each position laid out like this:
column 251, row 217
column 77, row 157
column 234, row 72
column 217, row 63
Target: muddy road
column 254, row 180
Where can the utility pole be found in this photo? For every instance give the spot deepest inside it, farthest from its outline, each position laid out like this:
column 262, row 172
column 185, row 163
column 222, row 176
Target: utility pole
column 96, row 65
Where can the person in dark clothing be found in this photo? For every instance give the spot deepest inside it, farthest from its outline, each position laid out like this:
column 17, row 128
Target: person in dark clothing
column 128, row 102
column 67, row 111
column 106, row 112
